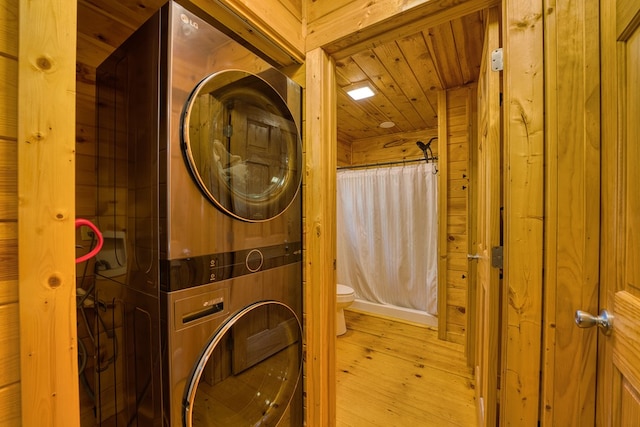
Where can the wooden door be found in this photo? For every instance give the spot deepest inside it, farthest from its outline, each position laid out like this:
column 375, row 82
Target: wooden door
column 619, row 353
column 488, row 227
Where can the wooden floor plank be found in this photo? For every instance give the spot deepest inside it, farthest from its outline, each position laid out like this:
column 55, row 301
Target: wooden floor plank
column 412, row 350
column 397, row 374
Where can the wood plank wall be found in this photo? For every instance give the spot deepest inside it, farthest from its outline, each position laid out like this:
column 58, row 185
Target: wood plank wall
column 523, row 211
column 9, row 318
column 391, row 148
column 572, row 126
column 86, row 178
column 457, row 115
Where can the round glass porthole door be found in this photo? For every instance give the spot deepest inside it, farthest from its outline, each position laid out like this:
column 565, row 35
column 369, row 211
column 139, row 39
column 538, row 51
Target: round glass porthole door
column 242, row 145
column 248, row 372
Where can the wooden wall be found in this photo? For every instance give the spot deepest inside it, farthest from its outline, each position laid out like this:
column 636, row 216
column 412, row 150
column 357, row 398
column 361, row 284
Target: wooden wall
column 523, row 85
column 85, row 143
column 9, row 317
column 390, row 148
column 573, row 209
column 456, row 112
column 456, row 118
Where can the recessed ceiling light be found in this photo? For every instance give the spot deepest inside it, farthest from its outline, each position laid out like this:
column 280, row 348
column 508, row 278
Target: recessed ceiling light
column 386, row 125
column 360, row 93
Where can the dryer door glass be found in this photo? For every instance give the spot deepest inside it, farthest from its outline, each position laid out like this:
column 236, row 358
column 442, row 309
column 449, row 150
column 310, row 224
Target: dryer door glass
column 242, row 144
column 249, row 371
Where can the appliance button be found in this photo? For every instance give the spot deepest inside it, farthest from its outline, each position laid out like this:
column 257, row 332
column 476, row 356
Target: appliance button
column 254, row 260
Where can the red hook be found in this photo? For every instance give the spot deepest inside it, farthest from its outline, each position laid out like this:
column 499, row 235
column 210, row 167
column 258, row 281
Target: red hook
column 79, row 223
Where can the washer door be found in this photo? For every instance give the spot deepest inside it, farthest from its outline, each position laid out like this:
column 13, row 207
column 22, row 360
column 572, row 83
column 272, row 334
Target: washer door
column 242, row 145
column 249, row 370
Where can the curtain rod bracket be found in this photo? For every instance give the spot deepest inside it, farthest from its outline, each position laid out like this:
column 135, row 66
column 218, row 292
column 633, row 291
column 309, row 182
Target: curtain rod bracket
column 427, row 151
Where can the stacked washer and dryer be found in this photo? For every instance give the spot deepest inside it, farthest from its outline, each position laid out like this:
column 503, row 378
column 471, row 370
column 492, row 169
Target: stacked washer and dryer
column 199, row 172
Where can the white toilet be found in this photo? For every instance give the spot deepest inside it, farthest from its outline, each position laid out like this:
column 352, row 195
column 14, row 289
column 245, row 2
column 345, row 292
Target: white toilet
column 345, row 298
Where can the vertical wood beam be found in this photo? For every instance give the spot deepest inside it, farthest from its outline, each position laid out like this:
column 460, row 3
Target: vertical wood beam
column 472, row 224
column 443, row 176
column 523, row 215
column 320, row 238
column 46, row 213
column 610, row 82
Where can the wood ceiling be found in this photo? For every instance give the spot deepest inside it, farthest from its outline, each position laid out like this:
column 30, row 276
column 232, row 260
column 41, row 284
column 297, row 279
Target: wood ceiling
column 406, row 74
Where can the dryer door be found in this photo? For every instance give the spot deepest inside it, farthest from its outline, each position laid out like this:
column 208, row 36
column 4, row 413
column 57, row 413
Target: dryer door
column 249, row 371
column 242, row 145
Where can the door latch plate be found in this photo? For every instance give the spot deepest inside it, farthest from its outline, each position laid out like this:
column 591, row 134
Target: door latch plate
column 497, row 257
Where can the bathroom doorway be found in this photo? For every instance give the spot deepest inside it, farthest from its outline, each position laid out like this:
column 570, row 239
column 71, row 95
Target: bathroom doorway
column 415, row 76
column 340, row 56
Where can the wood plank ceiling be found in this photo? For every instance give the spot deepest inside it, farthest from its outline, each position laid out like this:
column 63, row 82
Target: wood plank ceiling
column 405, row 74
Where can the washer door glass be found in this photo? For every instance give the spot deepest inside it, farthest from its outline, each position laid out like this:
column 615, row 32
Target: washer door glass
column 242, row 145
column 249, row 371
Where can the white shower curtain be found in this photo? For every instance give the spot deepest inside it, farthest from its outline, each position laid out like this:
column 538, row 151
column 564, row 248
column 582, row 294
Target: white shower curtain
column 387, row 223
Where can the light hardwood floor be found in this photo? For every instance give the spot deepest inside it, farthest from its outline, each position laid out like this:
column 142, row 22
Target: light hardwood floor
column 397, row 374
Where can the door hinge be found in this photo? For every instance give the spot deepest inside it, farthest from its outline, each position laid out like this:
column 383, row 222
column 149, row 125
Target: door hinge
column 496, row 60
column 496, row 257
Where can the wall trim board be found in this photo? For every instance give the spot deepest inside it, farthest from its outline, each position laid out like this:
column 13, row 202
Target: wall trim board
column 46, row 213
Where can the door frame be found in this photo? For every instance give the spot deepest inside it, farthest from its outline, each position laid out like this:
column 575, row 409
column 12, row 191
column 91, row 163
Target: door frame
column 523, row 215
column 617, row 360
column 524, row 183
column 488, row 200
column 610, row 203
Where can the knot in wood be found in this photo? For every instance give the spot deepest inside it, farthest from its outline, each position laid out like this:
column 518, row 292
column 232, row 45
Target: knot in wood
column 44, row 63
column 54, row 281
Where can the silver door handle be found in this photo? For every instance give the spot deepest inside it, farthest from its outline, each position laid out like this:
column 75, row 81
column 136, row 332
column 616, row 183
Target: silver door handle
column 586, row 320
column 476, row 256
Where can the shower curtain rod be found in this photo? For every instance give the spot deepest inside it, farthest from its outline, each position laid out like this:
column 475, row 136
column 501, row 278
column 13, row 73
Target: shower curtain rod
column 397, row 162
